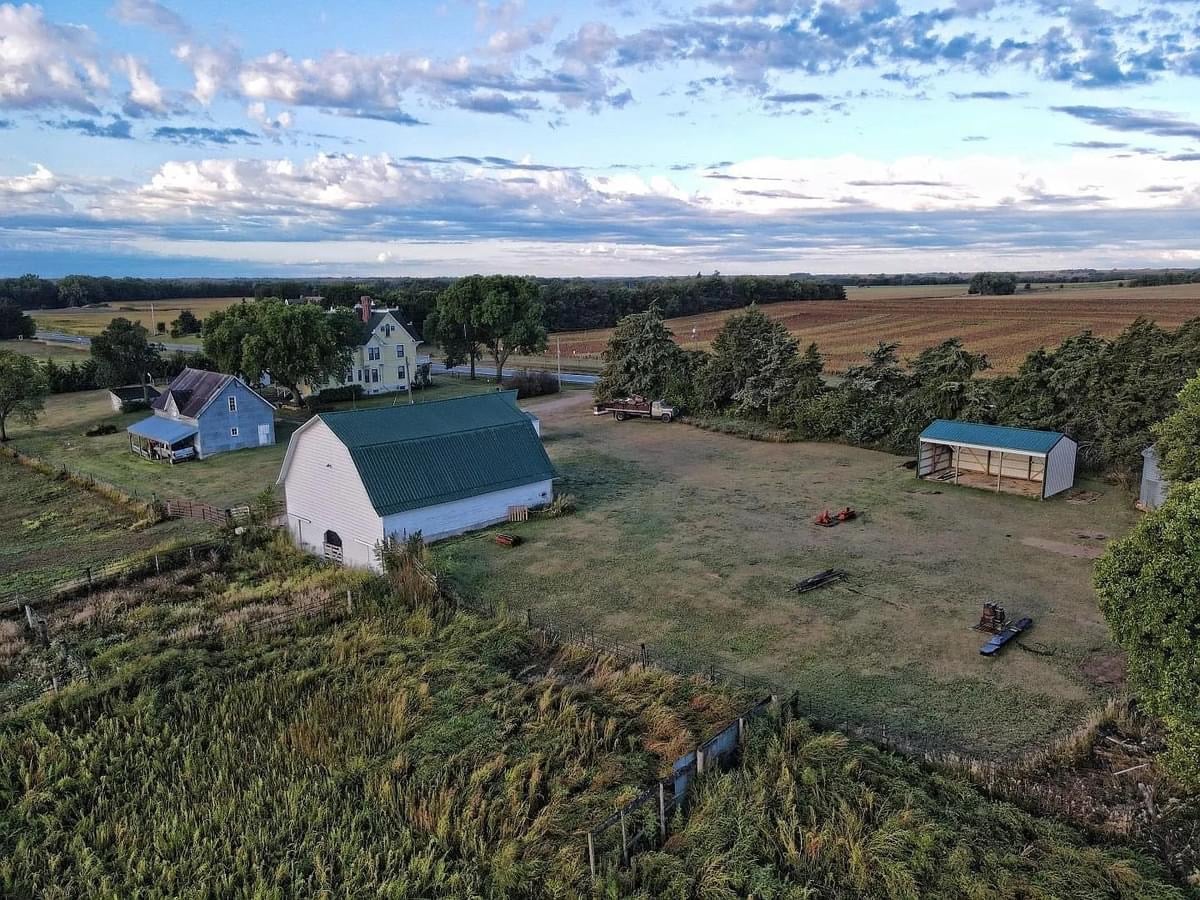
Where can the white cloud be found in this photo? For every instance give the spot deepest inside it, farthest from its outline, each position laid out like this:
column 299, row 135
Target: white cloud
column 43, row 64
column 507, row 41
column 149, row 13
column 144, row 92
column 211, row 67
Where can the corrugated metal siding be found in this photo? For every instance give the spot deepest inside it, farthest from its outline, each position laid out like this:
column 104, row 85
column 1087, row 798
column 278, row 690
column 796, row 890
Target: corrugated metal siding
column 1060, row 468
column 999, row 437
column 1154, row 487
column 410, row 474
column 323, row 492
column 446, row 519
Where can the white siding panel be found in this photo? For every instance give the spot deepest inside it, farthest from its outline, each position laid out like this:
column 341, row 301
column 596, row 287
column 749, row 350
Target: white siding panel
column 447, row 519
column 324, row 492
column 1060, row 467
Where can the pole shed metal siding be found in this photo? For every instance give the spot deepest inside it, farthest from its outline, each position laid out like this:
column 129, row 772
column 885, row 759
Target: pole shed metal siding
column 1022, row 455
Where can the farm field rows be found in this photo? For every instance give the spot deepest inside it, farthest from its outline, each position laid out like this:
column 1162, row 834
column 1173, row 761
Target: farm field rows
column 41, row 350
column 690, row 541
column 91, row 320
column 1005, row 328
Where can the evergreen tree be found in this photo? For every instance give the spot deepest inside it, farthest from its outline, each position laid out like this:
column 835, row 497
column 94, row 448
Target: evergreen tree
column 641, row 358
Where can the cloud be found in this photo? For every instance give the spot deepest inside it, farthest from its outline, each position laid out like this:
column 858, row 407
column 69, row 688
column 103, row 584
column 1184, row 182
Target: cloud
column 117, row 128
column 150, row 14
column 197, row 136
column 395, row 116
column 47, row 65
column 145, row 95
column 1096, row 145
column 5, row 123
column 508, row 41
column 497, row 103
column 795, row 98
column 1119, row 118
column 987, row 95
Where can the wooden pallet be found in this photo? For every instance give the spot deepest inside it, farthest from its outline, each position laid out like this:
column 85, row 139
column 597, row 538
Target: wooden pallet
column 821, row 579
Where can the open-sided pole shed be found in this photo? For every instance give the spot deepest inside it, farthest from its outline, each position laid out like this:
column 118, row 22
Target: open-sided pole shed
column 1013, row 460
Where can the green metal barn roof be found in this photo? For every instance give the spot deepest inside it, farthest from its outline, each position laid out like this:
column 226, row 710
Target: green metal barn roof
column 410, row 457
column 1001, row 437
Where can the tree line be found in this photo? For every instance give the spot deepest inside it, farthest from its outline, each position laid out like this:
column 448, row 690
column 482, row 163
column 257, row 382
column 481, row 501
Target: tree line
column 1106, row 394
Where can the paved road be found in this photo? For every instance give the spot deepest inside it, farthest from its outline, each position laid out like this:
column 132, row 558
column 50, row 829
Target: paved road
column 61, row 337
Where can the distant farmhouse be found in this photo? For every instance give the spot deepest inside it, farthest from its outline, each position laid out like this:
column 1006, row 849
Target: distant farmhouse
column 201, row 414
column 131, row 397
column 385, row 359
column 354, row 478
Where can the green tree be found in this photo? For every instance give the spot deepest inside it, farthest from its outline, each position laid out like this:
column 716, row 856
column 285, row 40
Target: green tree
column 1149, row 588
column 992, row 283
column 738, row 352
column 1177, row 437
column 14, row 323
column 295, row 344
column 186, row 323
column 641, row 358
column 23, row 390
column 501, row 314
column 123, row 354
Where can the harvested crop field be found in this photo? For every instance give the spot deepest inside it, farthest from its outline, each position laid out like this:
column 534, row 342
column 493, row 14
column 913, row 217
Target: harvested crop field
column 1005, row 328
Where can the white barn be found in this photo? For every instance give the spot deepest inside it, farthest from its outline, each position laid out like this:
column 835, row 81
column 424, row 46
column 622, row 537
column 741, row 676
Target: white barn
column 996, row 457
column 353, row 478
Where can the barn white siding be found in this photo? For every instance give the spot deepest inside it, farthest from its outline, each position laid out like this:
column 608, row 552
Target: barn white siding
column 1060, row 468
column 446, row 519
column 324, row 492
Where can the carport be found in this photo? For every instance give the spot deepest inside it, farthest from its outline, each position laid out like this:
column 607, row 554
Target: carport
column 996, row 457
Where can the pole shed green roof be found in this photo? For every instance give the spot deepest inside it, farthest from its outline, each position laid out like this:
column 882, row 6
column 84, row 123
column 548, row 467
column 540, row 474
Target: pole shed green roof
column 1001, row 437
column 411, row 457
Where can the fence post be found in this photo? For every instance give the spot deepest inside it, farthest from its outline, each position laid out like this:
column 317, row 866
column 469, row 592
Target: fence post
column 89, row 580
column 662, row 812
column 528, row 617
column 157, row 567
column 645, row 657
column 624, row 841
column 349, row 603
column 192, row 554
column 592, row 856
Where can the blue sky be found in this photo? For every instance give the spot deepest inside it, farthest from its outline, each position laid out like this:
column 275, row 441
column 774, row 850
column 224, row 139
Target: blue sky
column 602, row 138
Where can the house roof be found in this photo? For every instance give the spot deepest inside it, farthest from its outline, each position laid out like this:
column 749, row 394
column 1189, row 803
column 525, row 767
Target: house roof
column 167, row 431
column 194, row 389
column 1000, row 437
column 129, row 392
column 377, row 317
column 410, row 457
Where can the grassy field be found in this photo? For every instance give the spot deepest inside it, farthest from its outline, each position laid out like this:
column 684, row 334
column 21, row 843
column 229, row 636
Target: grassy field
column 690, row 540
column 413, row 752
column 60, row 353
column 229, row 479
column 91, row 320
column 1006, row 328
column 53, row 530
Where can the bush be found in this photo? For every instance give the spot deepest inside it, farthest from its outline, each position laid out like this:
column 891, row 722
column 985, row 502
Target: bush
column 98, row 430
column 327, row 396
column 532, row 383
column 134, row 406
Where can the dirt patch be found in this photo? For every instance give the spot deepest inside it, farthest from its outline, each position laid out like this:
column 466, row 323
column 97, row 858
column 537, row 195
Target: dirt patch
column 1076, row 551
column 1105, row 669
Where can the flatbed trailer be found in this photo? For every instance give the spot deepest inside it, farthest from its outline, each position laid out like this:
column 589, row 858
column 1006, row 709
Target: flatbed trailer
column 996, row 644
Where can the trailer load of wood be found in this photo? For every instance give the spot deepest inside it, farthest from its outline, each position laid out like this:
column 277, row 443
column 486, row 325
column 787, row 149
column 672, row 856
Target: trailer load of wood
column 637, row 407
column 993, row 620
column 997, row 643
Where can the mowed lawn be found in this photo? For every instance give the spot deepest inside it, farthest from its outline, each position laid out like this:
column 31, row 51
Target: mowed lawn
column 54, row 529
column 689, row 541
column 225, row 480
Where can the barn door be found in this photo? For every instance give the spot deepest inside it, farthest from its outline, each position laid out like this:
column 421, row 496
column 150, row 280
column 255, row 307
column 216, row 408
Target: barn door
column 264, row 435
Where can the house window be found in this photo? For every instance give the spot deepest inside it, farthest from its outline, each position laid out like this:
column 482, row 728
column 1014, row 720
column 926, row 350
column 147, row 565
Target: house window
column 375, row 375
column 233, row 404
column 372, row 353
column 400, row 373
column 349, row 375
column 359, row 378
column 400, row 351
column 387, row 330
column 233, row 432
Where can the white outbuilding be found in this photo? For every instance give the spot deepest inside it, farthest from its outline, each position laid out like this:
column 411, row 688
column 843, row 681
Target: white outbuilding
column 352, row 479
column 997, row 457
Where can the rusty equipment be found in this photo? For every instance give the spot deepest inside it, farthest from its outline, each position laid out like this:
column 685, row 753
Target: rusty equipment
column 825, row 520
column 846, row 514
column 508, row 540
column 993, row 619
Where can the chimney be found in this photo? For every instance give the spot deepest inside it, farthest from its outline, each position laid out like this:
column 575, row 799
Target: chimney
column 364, row 305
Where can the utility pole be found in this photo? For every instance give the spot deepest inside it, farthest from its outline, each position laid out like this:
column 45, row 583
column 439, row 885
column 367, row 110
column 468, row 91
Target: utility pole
column 408, row 381
column 558, row 352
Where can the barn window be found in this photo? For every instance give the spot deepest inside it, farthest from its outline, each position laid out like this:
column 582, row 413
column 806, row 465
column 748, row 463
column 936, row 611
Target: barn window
column 233, row 404
column 333, row 546
column 233, row 432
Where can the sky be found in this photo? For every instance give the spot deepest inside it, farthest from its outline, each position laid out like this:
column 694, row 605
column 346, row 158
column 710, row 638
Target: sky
column 609, row 137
